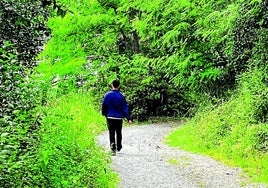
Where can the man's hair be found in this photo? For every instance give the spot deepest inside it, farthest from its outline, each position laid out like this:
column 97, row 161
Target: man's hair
column 116, row 83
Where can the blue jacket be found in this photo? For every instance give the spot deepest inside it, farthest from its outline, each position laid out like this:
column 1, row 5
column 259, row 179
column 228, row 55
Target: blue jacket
column 114, row 105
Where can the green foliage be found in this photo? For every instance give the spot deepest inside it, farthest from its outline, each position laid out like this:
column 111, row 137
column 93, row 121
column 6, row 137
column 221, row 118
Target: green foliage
column 256, row 82
column 199, row 47
column 67, row 154
column 23, row 25
column 19, row 124
column 39, row 146
column 175, row 44
column 234, row 131
column 19, row 135
column 21, row 37
column 172, row 57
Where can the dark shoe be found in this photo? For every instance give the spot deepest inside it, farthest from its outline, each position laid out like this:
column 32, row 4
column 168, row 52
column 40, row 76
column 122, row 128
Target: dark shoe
column 119, row 148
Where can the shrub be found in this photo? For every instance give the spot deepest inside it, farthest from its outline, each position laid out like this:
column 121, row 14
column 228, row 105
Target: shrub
column 68, row 155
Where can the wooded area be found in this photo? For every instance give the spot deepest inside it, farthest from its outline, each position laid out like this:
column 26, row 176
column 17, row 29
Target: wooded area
column 178, row 58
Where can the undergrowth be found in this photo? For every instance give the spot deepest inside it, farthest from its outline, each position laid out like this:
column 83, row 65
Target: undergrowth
column 232, row 131
column 68, row 154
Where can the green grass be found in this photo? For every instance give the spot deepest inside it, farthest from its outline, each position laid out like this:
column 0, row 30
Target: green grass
column 181, row 161
column 173, row 161
column 231, row 132
column 232, row 140
column 68, row 154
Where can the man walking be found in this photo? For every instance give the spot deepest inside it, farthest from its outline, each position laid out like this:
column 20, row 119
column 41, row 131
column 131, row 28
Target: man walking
column 115, row 108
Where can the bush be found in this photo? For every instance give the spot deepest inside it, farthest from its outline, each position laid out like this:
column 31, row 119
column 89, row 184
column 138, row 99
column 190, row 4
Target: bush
column 21, row 39
column 19, row 124
column 68, row 155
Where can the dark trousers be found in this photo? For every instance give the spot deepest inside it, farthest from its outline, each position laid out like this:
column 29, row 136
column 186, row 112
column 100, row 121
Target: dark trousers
column 115, row 128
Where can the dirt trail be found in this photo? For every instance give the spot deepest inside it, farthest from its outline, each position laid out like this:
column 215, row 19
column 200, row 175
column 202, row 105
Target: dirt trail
column 145, row 162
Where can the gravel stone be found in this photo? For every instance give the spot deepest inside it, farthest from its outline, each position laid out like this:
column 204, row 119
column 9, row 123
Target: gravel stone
column 146, row 162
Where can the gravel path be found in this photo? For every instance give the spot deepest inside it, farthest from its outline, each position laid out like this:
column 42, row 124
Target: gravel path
column 145, row 162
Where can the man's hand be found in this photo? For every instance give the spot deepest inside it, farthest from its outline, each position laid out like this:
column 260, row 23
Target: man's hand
column 129, row 121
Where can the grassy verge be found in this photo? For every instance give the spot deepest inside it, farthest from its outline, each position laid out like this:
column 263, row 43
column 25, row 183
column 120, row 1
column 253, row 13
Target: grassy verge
column 68, row 154
column 232, row 132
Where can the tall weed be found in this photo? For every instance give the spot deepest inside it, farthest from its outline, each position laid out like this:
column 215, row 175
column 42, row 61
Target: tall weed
column 68, row 154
